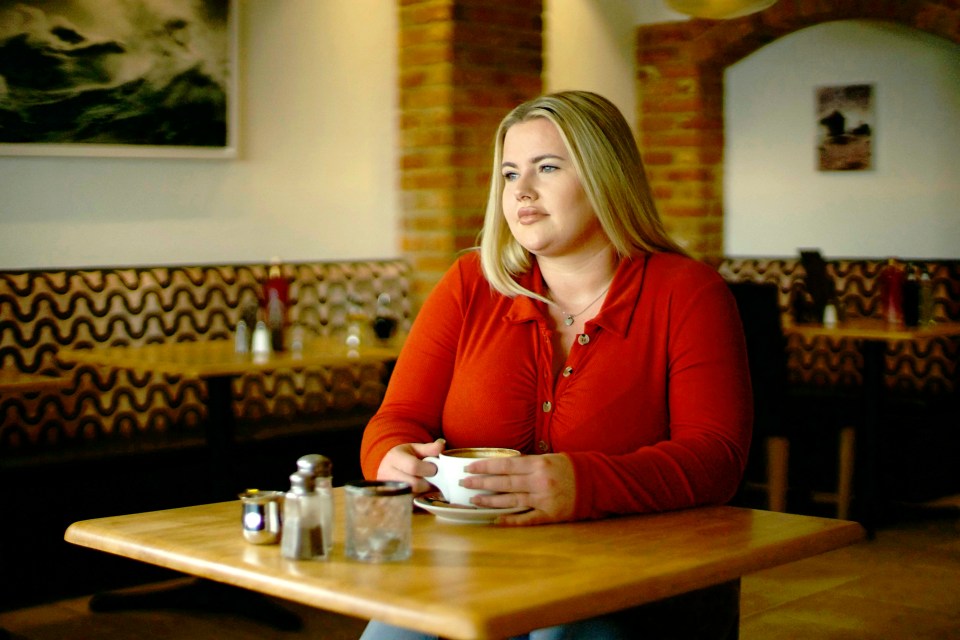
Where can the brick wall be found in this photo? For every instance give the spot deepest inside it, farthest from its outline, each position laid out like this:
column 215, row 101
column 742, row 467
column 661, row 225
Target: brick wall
column 463, row 65
column 680, row 87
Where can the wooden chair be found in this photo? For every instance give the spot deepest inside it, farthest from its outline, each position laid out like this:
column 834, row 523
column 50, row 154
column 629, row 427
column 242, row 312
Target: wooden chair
column 782, row 413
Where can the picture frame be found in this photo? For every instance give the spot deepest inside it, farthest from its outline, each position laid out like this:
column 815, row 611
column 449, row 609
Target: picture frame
column 119, row 78
column 846, row 127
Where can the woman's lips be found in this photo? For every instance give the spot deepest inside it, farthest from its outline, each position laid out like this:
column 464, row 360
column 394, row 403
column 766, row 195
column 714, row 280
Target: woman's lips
column 529, row 215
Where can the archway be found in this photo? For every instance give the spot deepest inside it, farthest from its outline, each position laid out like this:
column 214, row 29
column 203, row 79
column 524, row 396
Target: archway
column 680, row 70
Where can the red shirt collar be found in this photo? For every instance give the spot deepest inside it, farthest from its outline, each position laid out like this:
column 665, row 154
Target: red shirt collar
column 618, row 308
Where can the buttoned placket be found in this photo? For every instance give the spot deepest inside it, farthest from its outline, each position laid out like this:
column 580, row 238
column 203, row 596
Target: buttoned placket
column 550, row 389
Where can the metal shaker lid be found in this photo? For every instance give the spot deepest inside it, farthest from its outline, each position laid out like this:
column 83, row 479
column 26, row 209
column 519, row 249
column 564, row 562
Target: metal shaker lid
column 302, row 482
column 315, row 464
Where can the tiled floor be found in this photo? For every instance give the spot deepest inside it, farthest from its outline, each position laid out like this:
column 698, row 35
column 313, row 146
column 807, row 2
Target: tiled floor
column 904, row 584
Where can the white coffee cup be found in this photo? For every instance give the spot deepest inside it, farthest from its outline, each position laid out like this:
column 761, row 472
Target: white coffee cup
column 450, row 471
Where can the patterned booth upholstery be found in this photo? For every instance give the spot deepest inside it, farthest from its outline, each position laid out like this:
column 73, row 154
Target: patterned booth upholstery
column 929, row 369
column 41, row 311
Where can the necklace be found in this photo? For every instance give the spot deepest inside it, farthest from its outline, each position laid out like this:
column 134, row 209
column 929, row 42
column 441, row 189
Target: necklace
column 568, row 317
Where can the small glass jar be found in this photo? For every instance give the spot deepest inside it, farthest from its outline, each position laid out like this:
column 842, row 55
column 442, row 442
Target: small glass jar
column 379, row 521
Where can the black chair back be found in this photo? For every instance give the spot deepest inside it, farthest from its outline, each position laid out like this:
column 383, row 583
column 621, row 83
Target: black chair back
column 766, row 351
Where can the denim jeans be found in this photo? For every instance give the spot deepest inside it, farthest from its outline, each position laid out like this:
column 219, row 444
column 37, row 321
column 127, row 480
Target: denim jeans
column 707, row 614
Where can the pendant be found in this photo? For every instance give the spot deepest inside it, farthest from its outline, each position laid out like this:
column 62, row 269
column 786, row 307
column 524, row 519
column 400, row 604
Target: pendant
column 568, row 320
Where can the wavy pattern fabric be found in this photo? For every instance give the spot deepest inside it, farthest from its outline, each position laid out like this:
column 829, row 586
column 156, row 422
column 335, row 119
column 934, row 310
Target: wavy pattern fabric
column 41, row 311
column 929, row 368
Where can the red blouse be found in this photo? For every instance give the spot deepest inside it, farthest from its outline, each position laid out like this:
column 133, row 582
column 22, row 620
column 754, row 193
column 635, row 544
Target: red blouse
column 653, row 406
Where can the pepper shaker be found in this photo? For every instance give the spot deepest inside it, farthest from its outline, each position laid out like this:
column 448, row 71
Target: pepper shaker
column 303, row 535
column 320, row 468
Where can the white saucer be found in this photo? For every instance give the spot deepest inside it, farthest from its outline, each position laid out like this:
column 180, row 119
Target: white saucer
column 435, row 504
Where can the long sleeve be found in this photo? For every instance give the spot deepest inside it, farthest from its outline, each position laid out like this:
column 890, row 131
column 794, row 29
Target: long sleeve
column 413, row 406
column 652, row 407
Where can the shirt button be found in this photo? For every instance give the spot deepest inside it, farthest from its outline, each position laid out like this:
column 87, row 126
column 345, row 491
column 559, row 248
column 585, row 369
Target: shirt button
column 542, row 446
column 547, row 406
column 567, row 371
column 583, row 338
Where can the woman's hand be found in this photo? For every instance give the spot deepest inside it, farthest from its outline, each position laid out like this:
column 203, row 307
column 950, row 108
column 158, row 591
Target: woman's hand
column 545, row 483
column 404, row 463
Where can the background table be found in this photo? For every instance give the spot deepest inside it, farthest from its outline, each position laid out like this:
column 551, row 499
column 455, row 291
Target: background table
column 477, row 581
column 874, row 335
column 217, row 363
column 19, row 382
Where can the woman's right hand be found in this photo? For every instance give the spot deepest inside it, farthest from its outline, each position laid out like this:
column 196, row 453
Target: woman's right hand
column 405, row 463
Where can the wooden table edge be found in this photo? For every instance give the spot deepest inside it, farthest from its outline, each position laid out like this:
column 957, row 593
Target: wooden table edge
column 459, row 624
column 872, row 329
column 21, row 382
column 372, row 355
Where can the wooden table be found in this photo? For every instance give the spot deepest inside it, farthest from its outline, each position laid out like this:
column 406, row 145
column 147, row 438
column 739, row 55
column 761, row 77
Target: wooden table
column 874, row 335
column 217, row 363
column 477, row 581
column 217, row 358
column 19, row 382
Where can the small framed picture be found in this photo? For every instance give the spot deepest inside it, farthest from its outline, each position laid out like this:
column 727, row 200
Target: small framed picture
column 845, row 127
column 121, row 78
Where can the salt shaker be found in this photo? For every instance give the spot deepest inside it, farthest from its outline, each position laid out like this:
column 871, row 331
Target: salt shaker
column 321, row 470
column 242, row 338
column 261, row 344
column 303, row 535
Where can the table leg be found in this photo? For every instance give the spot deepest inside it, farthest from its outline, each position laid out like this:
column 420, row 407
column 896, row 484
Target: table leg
column 220, row 435
column 868, row 455
column 200, row 594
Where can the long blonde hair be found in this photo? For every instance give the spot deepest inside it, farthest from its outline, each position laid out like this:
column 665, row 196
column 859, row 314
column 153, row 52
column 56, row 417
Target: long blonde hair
column 607, row 161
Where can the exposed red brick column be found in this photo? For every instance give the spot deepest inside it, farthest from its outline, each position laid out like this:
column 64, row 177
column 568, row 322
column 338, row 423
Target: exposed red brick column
column 463, row 65
column 680, row 87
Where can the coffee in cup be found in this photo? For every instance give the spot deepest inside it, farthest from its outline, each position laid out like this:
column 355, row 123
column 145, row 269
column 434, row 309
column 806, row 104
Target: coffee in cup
column 450, row 471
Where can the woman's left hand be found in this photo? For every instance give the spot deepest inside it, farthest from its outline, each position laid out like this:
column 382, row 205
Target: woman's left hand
column 544, row 483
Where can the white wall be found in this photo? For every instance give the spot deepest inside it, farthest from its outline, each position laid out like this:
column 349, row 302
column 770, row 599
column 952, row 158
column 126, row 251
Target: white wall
column 316, row 179
column 907, row 205
column 317, row 176
column 589, row 45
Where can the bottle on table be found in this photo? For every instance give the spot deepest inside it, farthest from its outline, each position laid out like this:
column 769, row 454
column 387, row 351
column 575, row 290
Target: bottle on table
column 911, row 297
column 926, row 298
column 276, row 301
column 385, row 320
column 891, row 292
column 241, row 340
column 357, row 318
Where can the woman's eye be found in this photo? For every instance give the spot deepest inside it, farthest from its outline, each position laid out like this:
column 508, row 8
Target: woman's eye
column 548, row 168
column 510, row 176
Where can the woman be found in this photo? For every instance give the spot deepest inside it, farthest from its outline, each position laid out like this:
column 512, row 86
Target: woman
column 579, row 332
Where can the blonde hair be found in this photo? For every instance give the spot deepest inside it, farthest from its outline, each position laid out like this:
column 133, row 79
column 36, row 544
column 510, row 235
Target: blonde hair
column 607, row 161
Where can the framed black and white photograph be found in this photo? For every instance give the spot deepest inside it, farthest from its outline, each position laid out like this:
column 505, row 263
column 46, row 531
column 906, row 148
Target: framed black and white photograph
column 845, row 127
column 121, row 78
